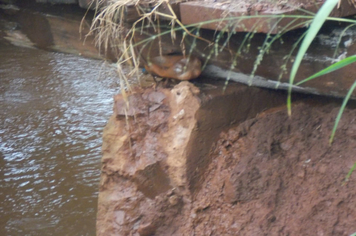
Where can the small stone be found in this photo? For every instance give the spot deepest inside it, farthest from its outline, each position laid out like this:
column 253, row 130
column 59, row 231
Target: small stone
column 180, row 115
column 301, row 174
column 119, row 217
column 173, row 200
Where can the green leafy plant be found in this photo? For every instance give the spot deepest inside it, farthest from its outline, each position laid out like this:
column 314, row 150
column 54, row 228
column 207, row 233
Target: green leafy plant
column 314, row 28
column 348, row 177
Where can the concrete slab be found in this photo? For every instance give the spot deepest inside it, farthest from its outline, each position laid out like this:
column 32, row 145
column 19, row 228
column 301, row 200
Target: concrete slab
column 196, row 12
column 33, row 28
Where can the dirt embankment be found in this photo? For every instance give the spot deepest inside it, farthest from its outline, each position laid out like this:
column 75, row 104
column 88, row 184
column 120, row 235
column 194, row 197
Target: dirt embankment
column 264, row 175
column 273, row 175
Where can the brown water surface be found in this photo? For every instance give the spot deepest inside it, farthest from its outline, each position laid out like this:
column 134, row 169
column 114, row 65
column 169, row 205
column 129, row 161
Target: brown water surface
column 53, row 109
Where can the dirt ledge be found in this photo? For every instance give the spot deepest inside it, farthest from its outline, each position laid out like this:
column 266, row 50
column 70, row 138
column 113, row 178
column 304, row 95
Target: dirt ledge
column 166, row 171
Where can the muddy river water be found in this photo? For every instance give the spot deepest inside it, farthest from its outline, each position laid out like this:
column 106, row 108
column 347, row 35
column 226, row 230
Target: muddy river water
column 53, row 110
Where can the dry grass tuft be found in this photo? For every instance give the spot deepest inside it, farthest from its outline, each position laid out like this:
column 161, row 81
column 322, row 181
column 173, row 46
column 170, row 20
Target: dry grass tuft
column 113, row 34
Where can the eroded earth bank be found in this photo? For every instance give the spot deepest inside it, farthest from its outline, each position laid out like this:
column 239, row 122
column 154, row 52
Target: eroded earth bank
column 193, row 160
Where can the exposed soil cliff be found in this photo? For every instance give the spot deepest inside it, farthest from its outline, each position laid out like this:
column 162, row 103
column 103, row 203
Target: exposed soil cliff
column 195, row 161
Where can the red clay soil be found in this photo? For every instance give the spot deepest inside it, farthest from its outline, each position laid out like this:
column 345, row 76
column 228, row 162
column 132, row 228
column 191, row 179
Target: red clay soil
column 278, row 176
column 269, row 175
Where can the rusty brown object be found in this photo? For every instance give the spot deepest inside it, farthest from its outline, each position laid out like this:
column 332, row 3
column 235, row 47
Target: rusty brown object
column 174, row 67
column 196, row 12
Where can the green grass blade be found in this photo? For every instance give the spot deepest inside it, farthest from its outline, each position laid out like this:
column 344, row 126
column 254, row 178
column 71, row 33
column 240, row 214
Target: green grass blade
column 342, row 108
column 314, row 28
column 333, row 67
column 349, row 175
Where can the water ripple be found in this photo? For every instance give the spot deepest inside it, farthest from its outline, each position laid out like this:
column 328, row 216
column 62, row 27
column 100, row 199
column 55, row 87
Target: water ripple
column 54, row 108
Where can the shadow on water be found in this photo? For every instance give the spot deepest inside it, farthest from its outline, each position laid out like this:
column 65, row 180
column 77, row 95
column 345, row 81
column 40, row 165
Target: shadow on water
column 53, row 109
